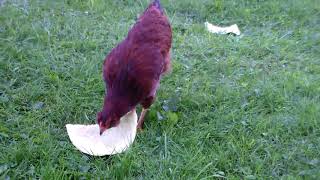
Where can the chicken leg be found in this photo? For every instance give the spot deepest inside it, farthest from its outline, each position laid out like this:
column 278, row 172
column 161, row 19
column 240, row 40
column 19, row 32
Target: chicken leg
column 145, row 107
column 141, row 118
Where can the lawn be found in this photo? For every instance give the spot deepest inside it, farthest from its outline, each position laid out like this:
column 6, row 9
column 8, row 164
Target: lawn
column 234, row 107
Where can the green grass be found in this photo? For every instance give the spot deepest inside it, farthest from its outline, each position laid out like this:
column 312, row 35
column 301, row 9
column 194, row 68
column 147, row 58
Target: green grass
column 244, row 107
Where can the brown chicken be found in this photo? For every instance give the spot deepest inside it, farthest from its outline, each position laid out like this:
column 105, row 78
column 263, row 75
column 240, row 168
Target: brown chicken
column 132, row 71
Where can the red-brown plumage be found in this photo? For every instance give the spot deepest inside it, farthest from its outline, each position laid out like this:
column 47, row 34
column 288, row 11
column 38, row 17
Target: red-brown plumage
column 132, row 71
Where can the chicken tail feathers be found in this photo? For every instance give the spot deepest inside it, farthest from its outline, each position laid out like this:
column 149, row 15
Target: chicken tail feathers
column 157, row 4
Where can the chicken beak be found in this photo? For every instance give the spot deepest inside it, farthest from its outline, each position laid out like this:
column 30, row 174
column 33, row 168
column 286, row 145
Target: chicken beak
column 102, row 129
